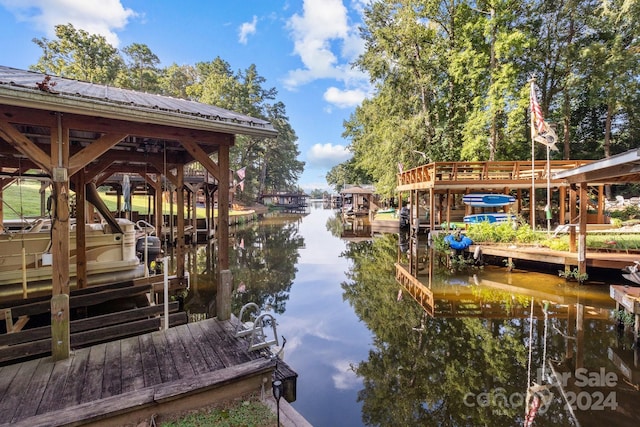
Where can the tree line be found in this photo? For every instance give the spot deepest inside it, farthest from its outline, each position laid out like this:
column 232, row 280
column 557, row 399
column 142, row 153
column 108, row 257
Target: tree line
column 451, row 82
column 271, row 163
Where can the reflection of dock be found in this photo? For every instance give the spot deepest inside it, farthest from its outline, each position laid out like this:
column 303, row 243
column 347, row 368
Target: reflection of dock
column 627, row 364
column 356, row 229
column 628, row 299
column 465, row 303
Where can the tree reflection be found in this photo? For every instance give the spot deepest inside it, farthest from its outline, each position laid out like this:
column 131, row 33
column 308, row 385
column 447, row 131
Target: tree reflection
column 263, row 264
column 423, row 368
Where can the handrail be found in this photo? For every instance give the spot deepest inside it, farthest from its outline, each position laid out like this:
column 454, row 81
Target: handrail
column 518, row 170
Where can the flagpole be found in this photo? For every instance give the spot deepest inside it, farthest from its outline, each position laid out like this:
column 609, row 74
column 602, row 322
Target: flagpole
column 548, row 207
column 532, row 196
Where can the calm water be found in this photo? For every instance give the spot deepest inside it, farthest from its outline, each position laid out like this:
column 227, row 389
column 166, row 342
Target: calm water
column 368, row 353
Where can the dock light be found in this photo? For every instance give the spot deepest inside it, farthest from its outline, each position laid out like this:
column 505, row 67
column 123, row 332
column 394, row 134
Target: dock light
column 277, row 394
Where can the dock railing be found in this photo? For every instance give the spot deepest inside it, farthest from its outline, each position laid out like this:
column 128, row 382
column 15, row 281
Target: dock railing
column 517, row 172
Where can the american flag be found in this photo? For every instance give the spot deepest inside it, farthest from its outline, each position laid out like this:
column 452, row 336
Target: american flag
column 536, row 111
column 241, row 172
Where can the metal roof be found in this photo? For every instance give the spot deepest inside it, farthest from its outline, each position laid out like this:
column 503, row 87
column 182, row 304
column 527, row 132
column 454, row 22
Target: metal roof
column 21, row 88
column 621, row 168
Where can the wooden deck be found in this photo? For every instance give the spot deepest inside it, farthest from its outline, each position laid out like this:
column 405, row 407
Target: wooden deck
column 460, row 176
column 614, row 260
column 122, row 381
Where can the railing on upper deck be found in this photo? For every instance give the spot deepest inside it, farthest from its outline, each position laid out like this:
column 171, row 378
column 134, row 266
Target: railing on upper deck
column 518, row 170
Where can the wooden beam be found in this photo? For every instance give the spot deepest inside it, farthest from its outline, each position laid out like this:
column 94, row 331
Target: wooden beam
column 98, row 168
column 203, row 158
column 24, row 145
column 30, row 116
column 93, row 151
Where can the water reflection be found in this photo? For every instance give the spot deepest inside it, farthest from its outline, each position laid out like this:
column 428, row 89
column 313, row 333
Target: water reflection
column 381, row 332
column 263, row 262
column 463, row 349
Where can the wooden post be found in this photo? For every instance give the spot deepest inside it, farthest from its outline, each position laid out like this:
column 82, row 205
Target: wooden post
column 180, row 249
column 449, row 201
column 223, row 208
column 60, row 333
column 562, row 194
column 572, row 215
column 158, row 217
column 2, row 184
column 81, row 244
column 223, row 295
column 60, row 349
column 432, row 208
column 600, row 204
column 582, row 235
column 224, row 279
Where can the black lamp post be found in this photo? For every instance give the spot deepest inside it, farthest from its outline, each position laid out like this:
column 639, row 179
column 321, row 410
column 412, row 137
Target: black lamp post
column 277, row 394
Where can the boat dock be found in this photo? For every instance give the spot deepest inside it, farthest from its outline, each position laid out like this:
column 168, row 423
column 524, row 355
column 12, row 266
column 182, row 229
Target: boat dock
column 615, row 260
column 118, row 382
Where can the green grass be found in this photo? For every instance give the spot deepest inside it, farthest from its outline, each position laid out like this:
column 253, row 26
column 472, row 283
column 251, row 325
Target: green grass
column 24, row 201
column 247, row 412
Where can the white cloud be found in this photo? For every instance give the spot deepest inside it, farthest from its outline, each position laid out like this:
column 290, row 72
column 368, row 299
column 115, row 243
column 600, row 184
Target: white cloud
column 345, row 378
column 344, row 98
column 327, row 155
column 101, row 17
column 246, row 29
column 325, row 43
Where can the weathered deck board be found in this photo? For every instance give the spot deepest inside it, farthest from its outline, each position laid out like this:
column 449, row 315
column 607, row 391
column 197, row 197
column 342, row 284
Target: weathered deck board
column 179, row 355
column 73, row 386
column 92, row 387
column 226, row 354
column 166, row 366
column 54, row 386
column 150, row 368
column 198, row 362
column 7, row 373
column 39, row 382
column 112, row 379
column 210, row 355
column 141, row 373
column 19, row 386
column 132, row 372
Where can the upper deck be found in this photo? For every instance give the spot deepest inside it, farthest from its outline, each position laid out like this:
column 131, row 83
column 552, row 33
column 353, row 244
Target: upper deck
column 485, row 175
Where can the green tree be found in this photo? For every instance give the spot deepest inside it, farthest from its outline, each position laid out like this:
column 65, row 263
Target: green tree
column 141, row 69
column 76, row 54
column 175, row 80
column 451, row 79
column 347, row 173
column 271, row 164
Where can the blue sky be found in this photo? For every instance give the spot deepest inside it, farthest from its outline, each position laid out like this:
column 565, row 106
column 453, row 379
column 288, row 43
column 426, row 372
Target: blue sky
column 302, row 47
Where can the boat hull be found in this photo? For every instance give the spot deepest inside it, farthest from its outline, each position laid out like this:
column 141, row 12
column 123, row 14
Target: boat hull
column 489, row 217
column 487, row 200
column 26, row 257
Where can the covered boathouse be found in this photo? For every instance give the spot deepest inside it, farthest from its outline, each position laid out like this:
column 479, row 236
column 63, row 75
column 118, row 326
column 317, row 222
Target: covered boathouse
column 76, row 133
